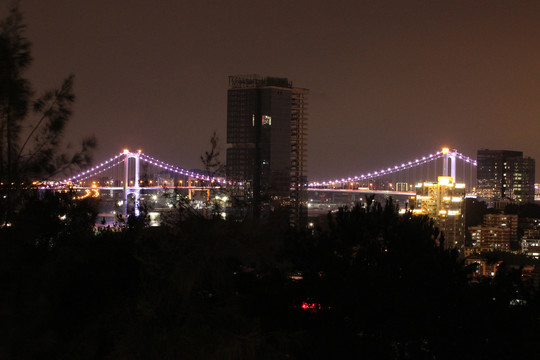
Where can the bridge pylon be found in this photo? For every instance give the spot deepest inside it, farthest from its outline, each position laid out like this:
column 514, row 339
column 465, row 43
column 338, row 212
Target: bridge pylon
column 135, row 189
column 449, row 155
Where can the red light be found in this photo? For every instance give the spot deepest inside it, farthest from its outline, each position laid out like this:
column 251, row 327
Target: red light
column 311, row 306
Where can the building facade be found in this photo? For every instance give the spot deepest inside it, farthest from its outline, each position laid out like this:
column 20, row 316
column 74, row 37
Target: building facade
column 267, row 138
column 504, row 174
column 442, row 202
column 498, row 232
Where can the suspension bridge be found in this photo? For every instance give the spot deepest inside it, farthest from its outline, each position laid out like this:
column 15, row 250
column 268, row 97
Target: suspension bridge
column 133, row 174
column 424, row 168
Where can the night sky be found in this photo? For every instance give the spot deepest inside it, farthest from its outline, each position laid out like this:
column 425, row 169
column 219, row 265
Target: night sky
column 389, row 80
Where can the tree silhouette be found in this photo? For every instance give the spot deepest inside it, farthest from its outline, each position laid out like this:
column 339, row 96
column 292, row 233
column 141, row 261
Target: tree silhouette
column 210, row 159
column 375, row 284
column 31, row 129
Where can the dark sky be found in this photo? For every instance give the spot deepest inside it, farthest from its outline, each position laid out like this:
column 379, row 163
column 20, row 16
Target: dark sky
column 389, row 80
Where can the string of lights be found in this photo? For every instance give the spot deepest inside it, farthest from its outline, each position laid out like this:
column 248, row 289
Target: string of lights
column 93, row 171
column 179, row 170
column 394, row 169
column 465, row 158
column 102, row 170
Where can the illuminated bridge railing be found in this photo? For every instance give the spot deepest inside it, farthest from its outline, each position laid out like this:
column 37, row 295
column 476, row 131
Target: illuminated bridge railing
column 396, row 169
column 120, row 162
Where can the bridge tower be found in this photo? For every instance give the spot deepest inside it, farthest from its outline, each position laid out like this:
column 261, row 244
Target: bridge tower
column 135, row 189
column 449, row 155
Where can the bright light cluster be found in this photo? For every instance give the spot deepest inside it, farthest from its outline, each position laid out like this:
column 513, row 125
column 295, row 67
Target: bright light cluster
column 88, row 193
column 396, row 168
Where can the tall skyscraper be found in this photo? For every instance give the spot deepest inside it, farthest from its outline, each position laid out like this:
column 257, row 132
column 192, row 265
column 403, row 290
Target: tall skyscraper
column 267, row 137
column 504, row 174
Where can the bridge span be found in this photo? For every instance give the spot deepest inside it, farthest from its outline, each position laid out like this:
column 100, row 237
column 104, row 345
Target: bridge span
column 127, row 176
column 363, row 191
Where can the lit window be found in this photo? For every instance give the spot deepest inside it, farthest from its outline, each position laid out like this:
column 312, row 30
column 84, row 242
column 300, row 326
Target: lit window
column 266, row 120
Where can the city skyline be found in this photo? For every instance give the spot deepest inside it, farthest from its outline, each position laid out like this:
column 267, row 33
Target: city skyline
column 388, row 81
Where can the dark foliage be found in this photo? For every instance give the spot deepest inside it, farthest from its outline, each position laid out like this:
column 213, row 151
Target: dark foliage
column 31, row 128
column 210, row 159
column 376, row 285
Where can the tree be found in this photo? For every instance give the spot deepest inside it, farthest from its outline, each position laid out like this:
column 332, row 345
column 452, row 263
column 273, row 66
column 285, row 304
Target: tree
column 31, row 129
column 210, row 159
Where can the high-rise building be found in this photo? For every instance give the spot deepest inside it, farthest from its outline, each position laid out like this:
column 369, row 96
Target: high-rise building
column 267, row 137
column 498, row 232
column 505, row 174
column 442, row 202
